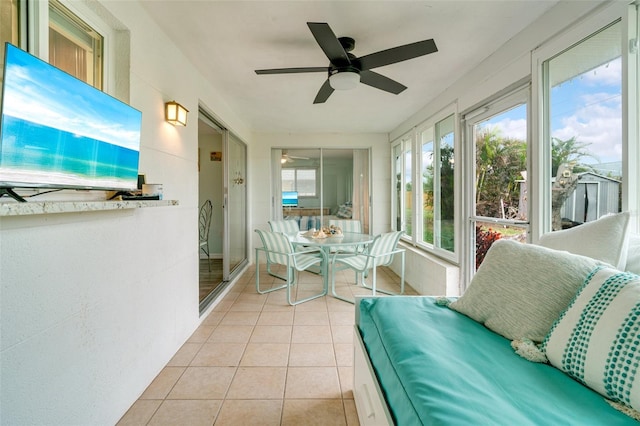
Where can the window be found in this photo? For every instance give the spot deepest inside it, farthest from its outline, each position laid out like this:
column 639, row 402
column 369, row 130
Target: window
column 427, row 214
column 499, row 200
column 10, row 29
column 302, row 180
column 74, row 46
column 584, row 134
column 403, row 199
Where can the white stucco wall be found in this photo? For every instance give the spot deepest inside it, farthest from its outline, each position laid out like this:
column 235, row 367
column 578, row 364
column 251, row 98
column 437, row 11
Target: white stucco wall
column 93, row 305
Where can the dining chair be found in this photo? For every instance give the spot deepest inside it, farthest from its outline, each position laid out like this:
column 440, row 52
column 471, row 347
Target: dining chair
column 204, row 223
column 380, row 252
column 348, row 225
column 285, row 226
column 279, row 251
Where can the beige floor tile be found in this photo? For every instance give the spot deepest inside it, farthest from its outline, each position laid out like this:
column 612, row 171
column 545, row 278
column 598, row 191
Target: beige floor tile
column 350, row 412
column 251, row 297
column 344, row 354
column 219, row 355
column 213, row 318
column 319, row 304
column 342, row 333
column 311, row 318
column 140, row 413
column 185, row 355
column 258, row 383
column 231, row 334
column 311, row 334
column 256, row 331
column 311, row 412
column 312, row 354
column 276, row 317
column 250, row 412
column 240, row 318
column 163, row 383
column 346, row 381
column 312, row 383
column 203, row 383
column 341, row 318
column 192, row 413
column 222, row 306
column 271, row 334
column 246, row 307
column 201, row 334
column 265, row 355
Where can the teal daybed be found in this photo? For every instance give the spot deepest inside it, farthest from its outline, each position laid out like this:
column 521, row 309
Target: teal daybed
column 419, row 362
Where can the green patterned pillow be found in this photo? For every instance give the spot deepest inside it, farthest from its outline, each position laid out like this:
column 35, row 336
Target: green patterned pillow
column 597, row 339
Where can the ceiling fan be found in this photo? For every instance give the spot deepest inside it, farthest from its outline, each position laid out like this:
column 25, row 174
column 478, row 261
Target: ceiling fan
column 345, row 70
column 286, row 158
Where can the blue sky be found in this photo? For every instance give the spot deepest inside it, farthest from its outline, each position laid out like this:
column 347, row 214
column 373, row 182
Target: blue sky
column 38, row 92
column 587, row 107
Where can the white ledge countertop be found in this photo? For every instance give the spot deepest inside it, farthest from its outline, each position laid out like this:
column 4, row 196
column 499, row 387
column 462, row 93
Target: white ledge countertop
column 50, row 207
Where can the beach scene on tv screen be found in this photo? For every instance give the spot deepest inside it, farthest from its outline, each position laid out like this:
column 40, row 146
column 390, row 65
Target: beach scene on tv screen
column 59, row 131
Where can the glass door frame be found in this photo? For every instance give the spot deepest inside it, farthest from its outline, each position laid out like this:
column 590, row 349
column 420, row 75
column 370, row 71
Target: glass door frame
column 233, row 178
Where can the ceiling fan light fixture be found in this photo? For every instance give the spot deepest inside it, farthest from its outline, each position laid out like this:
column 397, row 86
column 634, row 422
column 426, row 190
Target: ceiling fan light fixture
column 345, row 80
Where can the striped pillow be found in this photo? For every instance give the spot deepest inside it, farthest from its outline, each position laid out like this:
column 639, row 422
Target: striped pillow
column 597, row 339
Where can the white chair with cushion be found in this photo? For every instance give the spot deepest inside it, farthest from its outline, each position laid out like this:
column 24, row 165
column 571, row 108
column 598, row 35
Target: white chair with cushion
column 379, row 253
column 280, row 251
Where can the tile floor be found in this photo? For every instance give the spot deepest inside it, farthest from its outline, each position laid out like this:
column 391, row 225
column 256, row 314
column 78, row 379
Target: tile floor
column 255, row 360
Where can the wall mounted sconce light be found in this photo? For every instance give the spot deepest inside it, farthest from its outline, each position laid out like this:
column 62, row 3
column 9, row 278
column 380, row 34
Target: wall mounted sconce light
column 175, row 113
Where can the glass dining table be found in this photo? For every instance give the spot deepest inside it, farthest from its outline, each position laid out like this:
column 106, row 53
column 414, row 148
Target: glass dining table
column 328, row 245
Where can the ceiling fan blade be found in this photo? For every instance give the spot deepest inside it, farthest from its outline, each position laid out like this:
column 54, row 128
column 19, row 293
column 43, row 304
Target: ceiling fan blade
column 323, row 94
column 398, row 54
column 292, row 70
column 329, row 43
column 381, row 82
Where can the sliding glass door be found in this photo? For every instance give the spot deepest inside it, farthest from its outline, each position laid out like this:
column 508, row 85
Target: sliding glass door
column 235, row 207
column 321, row 184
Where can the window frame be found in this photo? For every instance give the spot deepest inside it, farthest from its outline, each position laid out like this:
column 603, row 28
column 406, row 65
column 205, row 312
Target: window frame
column 413, row 138
column 540, row 188
column 517, row 96
column 37, row 35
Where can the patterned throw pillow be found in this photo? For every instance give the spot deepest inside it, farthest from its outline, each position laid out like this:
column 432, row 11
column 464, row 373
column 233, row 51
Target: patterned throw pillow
column 597, row 339
column 521, row 289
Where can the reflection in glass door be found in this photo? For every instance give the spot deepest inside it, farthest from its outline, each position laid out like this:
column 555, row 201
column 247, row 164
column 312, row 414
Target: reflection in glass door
column 235, row 207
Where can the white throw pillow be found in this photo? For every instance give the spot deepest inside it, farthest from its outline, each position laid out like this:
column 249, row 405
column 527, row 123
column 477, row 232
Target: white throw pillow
column 604, row 239
column 633, row 254
column 597, row 339
column 521, row 289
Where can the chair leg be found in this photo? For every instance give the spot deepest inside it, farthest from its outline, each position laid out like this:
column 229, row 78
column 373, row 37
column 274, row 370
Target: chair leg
column 290, row 283
column 258, row 277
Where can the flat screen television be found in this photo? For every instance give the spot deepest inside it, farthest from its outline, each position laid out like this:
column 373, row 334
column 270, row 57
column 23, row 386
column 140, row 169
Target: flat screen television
column 57, row 131
column 289, row 199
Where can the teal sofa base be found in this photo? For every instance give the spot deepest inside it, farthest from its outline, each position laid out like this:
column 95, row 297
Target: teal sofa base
column 420, row 363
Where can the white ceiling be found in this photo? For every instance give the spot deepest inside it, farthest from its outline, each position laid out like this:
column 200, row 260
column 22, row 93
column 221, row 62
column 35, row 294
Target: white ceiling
column 228, row 40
